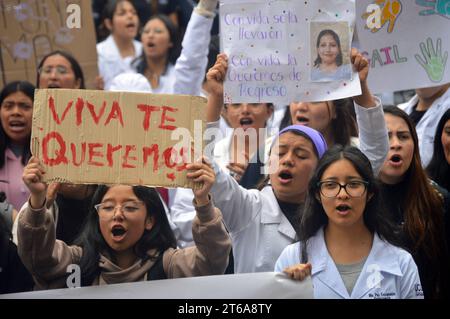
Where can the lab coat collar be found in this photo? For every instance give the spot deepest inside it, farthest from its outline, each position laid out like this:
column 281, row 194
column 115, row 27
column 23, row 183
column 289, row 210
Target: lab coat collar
column 381, row 251
column 408, row 106
column 113, row 51
column 273, row 214
column 437, row 104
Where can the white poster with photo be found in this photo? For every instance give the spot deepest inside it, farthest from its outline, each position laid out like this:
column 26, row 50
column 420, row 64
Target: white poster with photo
column 288, row 50
column 406, row 41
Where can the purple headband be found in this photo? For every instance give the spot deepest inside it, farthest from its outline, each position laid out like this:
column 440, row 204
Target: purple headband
column 315, row 136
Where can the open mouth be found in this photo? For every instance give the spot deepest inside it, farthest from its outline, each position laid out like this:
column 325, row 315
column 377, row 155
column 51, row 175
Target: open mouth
column 302, row 120
column 150, row 45
column 343, row 208
column 396, row 158
column 16, row 124
column 285, row 177
column 246, row 122
column 130, row 25
column 118, row 231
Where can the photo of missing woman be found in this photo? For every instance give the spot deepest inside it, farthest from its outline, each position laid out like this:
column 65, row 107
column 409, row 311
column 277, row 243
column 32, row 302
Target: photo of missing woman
column 330, row 51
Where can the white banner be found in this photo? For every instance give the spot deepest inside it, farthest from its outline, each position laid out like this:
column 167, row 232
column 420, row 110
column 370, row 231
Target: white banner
column 407, row 42
column 273, row 50
column 240, row 286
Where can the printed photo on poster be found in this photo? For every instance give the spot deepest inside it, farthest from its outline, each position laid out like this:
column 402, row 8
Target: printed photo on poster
column 330, row 51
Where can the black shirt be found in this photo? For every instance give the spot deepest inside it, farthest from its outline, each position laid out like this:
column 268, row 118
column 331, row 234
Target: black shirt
column 392, row 200
column 393, row 197
column 71, row 217
column 292, row 212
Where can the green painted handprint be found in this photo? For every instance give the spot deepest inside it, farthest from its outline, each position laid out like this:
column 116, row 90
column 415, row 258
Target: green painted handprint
column 433, row 62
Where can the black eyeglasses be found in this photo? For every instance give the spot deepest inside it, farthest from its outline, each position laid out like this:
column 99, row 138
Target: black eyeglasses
column 331, row 189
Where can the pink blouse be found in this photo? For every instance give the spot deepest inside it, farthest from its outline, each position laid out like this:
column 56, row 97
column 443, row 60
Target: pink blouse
column 16, row 191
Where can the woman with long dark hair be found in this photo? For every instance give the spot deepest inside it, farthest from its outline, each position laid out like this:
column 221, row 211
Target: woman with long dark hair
column 126, row 237
column 346, row 237
column 159, row 62
column 16, row 110
column 416, row 204
column 59, row 70
column 119, row 49
column 328, row 65
column 160, row 52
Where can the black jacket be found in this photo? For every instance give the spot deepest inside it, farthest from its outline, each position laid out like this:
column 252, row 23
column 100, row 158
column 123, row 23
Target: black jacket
column 428, row 269
column 14, row 277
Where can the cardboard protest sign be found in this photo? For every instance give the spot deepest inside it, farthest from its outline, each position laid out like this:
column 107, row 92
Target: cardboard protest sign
column 30, row 29
column 97, row 137
column 407, row 43
column 273, row 50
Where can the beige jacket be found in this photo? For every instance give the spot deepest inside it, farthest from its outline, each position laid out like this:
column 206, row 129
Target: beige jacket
column 47, row 259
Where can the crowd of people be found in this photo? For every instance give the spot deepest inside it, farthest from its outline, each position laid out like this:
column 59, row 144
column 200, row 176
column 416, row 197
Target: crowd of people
column 334, row 189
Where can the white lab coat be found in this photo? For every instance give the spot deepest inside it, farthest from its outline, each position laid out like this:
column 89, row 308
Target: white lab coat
column 186, row 76
column 166, row 81
column 388, row 273
column 111, row 63
column 374, row 144
column 258, row 228
column 190, row 67
column 426, row 128
column 373, row 134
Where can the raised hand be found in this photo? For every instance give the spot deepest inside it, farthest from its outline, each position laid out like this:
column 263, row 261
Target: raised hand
column 216, row 75
column 214, row 83
column 433, row 62
column 203, row 177
column 360, row 64
column 33, row 176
